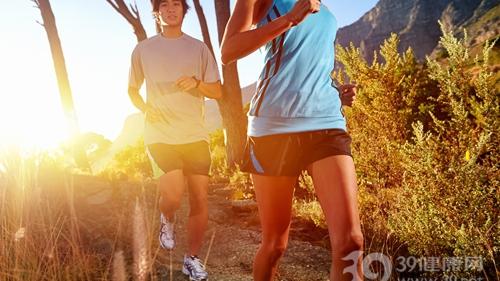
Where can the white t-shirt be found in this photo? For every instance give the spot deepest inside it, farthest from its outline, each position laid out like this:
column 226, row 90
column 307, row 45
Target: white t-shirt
column 161, row 61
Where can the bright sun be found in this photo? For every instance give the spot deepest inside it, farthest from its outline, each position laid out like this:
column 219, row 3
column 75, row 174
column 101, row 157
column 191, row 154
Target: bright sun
column 31, row 113
column 30, row 118
column 23, row 131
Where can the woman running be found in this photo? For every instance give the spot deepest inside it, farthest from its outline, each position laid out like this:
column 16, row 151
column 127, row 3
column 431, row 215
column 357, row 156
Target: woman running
column 296, row 123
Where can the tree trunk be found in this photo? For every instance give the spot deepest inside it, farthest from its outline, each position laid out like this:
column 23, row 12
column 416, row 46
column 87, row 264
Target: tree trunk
column 231, row 104
column 233, row 118
column 49, row 23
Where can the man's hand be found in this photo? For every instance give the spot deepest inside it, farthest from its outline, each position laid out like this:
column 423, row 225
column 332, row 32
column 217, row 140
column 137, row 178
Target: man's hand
column 186, row 83
column 347, row 94
column 153, row 115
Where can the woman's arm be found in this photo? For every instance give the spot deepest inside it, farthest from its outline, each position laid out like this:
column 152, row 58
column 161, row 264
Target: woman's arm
column 239, row 40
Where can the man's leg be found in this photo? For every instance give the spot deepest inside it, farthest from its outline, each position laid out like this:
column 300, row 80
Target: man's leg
column 171, row 184
column 335, row 185
column 171, row 188
column 274, row 199
column 198, row 215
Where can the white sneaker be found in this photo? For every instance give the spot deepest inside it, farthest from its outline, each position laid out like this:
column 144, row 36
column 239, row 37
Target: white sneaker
column 167, row 234
column 194, row 268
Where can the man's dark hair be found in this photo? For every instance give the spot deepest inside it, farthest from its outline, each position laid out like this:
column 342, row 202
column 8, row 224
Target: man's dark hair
column 156, row 6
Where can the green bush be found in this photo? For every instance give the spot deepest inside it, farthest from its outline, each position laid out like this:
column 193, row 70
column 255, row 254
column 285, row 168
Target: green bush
column 219, row 172
column 132, row 163
column 425, row 145
column 241, row 184
column 310, row 211
column 391, row 96
column 449, row 199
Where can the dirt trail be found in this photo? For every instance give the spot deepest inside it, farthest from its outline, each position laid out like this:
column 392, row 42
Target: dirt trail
column 235, row 242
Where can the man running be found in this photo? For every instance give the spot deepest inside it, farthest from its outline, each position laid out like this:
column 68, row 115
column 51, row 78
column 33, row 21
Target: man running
column 179, row 72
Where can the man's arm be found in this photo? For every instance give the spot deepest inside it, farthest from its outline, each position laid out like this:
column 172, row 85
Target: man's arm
column 135, row 80
column 152, row 113
column 209, row 90
column 137, row 99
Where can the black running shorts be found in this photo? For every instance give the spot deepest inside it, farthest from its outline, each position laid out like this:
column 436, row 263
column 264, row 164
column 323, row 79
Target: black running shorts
column 289, row 154
column 192, row 158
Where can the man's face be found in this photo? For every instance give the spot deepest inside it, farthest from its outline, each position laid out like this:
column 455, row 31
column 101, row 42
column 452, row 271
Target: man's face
column 171, row 12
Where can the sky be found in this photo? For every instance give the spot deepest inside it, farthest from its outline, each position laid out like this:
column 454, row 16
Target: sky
column 97, row 43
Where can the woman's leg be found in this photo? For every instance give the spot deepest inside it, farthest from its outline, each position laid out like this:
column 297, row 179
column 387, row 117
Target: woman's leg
column 335, row 185
column 171, row 188
column 274, row 198
column 198, row 215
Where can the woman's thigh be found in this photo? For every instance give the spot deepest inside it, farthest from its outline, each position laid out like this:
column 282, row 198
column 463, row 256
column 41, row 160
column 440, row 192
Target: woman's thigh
column 274, row 198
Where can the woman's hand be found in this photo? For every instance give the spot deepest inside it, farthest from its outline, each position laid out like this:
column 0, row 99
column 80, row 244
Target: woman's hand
column 347, row 94
column 302, row 9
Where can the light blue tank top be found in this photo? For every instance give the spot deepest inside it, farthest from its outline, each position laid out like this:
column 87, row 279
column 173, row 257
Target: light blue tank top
column 294, row 92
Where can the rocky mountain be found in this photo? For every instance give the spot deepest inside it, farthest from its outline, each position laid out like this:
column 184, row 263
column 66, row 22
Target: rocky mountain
column 416, row 23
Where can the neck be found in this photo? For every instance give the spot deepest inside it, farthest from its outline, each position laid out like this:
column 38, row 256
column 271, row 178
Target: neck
column 171, row 31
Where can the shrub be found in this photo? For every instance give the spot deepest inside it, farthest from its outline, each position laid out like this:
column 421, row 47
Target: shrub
column 425, row 145
column 132, row 163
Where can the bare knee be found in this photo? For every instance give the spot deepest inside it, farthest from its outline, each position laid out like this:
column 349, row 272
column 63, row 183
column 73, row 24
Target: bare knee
column 171, row 187
column 343, row 246
column 170, row 202
column 274, row 251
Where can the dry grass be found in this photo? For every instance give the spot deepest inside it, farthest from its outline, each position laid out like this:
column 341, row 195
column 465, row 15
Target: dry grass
column 140, row 244
column 119, row 267
column 40, row 239
column 49, row 232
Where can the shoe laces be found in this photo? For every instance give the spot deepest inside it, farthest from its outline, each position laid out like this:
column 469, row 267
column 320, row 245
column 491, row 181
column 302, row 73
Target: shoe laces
column 197, row 265
column 167, row 227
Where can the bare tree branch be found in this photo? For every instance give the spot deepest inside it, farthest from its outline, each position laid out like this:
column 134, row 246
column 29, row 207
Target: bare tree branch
column 135, row 10
column 112, row 3
column 131, row 14
column 203, row 25
column 37, row 4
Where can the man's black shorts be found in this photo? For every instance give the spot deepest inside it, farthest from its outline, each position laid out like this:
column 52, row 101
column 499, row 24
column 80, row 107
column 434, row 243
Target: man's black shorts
column 289, row 154
column 192, row 158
